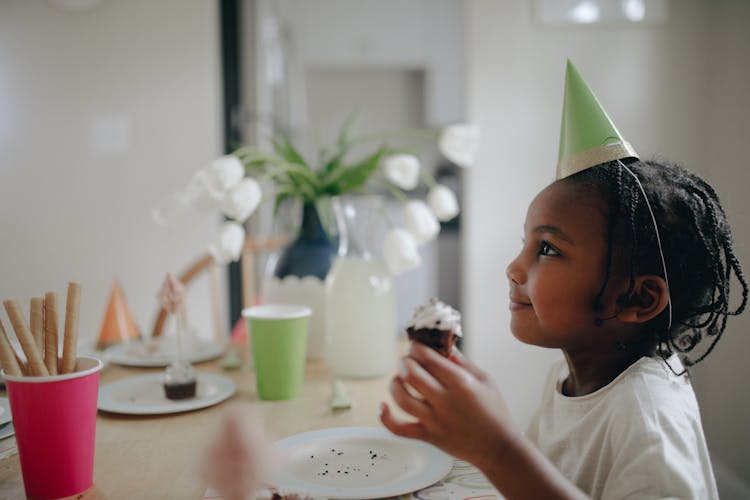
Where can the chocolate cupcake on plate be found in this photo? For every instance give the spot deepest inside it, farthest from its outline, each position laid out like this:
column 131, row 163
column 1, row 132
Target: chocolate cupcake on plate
column 436, row 325
column 180, row 381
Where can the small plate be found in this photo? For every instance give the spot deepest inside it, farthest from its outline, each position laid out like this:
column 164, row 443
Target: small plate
column 5, row 415
column 359, row 462
column 7, row 430
column 144, row 395
column 160, row 353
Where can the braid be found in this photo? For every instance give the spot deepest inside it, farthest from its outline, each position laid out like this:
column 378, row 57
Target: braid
column 696, row 242
column 615, row 176
column 633, row 207
column 737, row 268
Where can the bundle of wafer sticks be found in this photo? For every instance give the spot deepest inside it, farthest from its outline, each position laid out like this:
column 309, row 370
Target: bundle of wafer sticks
column 39, row 341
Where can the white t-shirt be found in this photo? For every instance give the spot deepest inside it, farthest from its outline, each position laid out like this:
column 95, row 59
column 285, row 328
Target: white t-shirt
column 640, row 436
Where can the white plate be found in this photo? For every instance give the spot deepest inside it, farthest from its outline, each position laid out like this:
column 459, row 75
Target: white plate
column 7, row 430
column 162, row 354
column 144, row 395
column 5, row 415
column 358, row 462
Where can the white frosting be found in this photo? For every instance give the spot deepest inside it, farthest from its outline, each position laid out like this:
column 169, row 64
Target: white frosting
column 438, row 315
column 179, row 373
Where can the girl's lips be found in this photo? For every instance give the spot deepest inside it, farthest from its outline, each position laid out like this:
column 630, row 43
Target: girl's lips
column 516, row 304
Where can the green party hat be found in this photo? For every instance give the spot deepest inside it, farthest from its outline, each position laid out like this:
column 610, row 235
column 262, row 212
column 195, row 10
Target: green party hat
column 587, row 135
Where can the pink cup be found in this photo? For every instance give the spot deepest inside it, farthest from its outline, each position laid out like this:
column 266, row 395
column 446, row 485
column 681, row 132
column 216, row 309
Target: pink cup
column 55, row 422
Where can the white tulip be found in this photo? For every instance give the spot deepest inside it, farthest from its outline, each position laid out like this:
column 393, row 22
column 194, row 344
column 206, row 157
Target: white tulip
column 459, row 143
column 210, row 185
column 198, row 193
column 223, row 174
column 400, row 251
column 242, row 200
column 402, row 170
column 420, row 221
column 228, row 248
column 172, row 208
column 443, row 202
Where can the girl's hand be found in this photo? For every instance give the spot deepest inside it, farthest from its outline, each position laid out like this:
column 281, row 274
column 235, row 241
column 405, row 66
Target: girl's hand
column 459, row 411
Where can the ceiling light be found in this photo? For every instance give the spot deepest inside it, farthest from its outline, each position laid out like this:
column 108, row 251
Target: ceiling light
column 585, row 12
column 635, row 10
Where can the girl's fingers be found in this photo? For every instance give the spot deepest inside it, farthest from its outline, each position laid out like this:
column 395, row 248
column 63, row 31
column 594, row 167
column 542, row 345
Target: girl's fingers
column 462, row 361
column 413, row 374
column 413, row 430
column 406, row 401
column 448, row 374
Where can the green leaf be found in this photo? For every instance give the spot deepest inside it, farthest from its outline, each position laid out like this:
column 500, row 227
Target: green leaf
column 354, row 177
column 280, row 198
column 284, row 148
column 333, row 164
column 343, row 142
column 343, row 145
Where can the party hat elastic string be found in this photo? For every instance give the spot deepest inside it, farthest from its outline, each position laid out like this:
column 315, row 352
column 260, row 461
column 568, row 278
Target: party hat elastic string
column 658, row 242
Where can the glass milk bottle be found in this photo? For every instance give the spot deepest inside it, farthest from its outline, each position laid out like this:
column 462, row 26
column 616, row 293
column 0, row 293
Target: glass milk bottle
column 361, row 302
column 296, row 274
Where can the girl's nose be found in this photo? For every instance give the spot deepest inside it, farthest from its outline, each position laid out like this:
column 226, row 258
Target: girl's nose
column 515, row 272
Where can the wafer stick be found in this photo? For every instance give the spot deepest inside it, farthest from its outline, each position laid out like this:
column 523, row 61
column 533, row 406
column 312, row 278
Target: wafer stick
column 37, row 322
column 70, row 338
column 8, row 355
column 21, row 363
column 36, row 364
column 50, row 332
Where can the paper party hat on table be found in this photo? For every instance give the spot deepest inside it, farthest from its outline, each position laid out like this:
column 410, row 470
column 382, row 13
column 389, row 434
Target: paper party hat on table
column 587, row 135
column 118, row 324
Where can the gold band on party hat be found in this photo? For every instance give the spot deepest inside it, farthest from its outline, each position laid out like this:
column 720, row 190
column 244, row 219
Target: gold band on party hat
column 594, row 156
column 587, row 135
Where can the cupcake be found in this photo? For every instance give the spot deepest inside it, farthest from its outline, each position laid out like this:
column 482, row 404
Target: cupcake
column 436, row 325
column 180, row 381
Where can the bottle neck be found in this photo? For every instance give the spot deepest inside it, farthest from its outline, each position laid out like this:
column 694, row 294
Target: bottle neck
column 360, row 221
column 312, row 230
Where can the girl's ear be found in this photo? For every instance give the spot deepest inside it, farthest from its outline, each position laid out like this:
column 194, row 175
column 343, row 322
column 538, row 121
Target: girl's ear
column 647, row 300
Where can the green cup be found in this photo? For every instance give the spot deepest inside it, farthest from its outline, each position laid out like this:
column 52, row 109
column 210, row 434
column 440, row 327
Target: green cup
column 278, row 339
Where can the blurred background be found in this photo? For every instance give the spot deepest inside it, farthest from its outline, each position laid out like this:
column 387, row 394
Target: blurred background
column 108, row 106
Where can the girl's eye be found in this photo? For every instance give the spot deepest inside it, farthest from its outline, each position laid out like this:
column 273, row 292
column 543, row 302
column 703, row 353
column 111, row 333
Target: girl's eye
column 548, row 250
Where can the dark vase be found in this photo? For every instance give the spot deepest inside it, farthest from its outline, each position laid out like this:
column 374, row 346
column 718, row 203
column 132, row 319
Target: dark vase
column 313, row 250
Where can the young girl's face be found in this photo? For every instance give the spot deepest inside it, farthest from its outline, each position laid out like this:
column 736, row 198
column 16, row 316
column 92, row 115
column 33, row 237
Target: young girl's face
column 557, row 275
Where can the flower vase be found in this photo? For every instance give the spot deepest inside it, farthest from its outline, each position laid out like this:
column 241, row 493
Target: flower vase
column 296, row 274
column 361, row 303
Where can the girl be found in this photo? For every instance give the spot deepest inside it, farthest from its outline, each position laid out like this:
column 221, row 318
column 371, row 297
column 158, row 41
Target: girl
column 625, row 265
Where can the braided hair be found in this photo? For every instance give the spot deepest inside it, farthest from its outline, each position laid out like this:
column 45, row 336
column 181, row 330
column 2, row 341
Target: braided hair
column 696, row 241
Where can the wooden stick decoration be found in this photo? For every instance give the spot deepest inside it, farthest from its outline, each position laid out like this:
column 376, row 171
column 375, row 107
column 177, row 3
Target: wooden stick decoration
column 37, row 322
column 172, row 296
column 70, row 338
column 36, row 363
column 50, row 332
column 8, row 355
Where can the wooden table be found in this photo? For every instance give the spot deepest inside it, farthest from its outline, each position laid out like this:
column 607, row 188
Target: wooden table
column 156, row 457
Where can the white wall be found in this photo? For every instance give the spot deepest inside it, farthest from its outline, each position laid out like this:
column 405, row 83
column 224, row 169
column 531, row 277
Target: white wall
column 69, row 211
column 662, row 86
column 725, row 402
column 414, row 34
